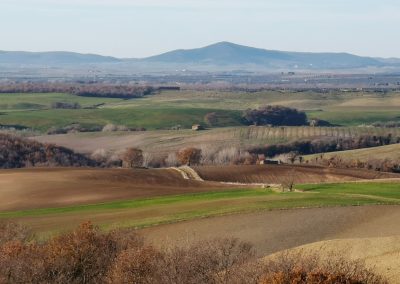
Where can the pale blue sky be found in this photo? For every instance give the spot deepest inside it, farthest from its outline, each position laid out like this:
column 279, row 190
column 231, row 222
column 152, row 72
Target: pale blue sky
column 138, row 28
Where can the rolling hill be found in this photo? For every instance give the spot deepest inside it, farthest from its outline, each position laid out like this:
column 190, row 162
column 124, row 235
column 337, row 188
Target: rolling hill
column 226, row 53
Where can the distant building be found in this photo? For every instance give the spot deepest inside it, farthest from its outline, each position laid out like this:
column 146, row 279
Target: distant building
column 270, row 162
column 169, row 88
column 197, row 127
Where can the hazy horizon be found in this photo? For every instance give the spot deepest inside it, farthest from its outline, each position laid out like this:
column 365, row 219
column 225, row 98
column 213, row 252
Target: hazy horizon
column 135, row 29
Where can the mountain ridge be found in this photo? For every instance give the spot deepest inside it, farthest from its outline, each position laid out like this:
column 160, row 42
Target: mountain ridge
column 222, row 54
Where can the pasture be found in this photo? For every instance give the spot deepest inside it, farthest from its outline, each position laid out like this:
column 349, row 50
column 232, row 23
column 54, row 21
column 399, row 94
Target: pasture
column 168, row 109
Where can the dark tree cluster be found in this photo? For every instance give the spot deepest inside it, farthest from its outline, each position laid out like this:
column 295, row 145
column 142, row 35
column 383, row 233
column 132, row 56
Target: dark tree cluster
column 64, row 105
column 125, row 91
column 112, row 91
column 16, row 152
column 275, row 116
column 306, row 147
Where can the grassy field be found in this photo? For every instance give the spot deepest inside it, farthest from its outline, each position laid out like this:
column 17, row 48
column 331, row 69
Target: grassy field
column 159, row 210
column 14, row 102
column 149, row 118
column 171, row 108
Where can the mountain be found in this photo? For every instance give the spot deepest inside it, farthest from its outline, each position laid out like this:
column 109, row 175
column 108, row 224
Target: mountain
column 223, row 56
column 226, row 53
column 52, row 58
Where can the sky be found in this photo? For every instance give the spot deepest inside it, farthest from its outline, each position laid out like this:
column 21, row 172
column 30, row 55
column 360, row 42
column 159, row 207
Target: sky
column 140, row 28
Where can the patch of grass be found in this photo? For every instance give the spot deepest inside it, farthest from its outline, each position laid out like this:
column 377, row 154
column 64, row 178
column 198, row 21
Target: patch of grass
column 150, row 118
column 41, row 101
column 149, row 212
column 137, row 203
column 384, row 190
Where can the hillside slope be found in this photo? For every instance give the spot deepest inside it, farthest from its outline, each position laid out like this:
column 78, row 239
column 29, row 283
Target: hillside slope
column 391, row 152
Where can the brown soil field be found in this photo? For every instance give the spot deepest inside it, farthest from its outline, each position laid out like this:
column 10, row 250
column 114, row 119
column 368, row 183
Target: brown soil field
column 273, row 231
column 58, row 187
column 382, row 254
column 276, row 174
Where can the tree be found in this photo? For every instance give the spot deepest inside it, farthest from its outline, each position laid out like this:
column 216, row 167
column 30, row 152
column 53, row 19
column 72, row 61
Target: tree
column 133, row 157
column 211, row 119
column 189, row 156
column 275, row 116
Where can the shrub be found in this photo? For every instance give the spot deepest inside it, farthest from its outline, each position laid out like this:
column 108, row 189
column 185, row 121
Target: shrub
column 311, row 267
column 189, row 156
column 112, row 127
column 64, row 105
column 132, row 157
column 211, row 119
column 14, row 232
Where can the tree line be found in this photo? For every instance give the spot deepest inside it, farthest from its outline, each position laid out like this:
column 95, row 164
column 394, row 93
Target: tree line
column 306, row 147
column 125, row 91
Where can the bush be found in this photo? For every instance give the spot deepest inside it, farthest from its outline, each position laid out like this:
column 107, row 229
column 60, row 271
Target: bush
column 14, row 232
column 189, row 156
column 111, row 128
column 63, row 105
column 311, row 267
column 132, row 158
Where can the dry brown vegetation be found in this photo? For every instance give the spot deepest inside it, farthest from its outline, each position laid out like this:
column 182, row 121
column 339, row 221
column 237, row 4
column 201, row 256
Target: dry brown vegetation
column 16, row 152
column 87, row 255
column 311, row 267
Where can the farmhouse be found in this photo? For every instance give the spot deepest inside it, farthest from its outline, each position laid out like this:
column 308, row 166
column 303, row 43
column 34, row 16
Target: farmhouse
column 197, row 127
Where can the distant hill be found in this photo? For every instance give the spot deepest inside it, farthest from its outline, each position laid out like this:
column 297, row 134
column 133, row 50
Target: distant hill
column 220, row 56
column 52, row 58
column 226, row 53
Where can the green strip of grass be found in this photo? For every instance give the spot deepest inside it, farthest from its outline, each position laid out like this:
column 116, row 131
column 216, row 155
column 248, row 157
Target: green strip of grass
column 385, row 190
column 137, row 203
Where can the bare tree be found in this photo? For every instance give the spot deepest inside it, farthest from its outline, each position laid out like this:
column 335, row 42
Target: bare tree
column 133, row 157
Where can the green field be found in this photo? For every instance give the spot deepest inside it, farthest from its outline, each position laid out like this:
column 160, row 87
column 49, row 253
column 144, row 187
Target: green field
column 149, row 212
column 149, row 118
column 172, row 108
